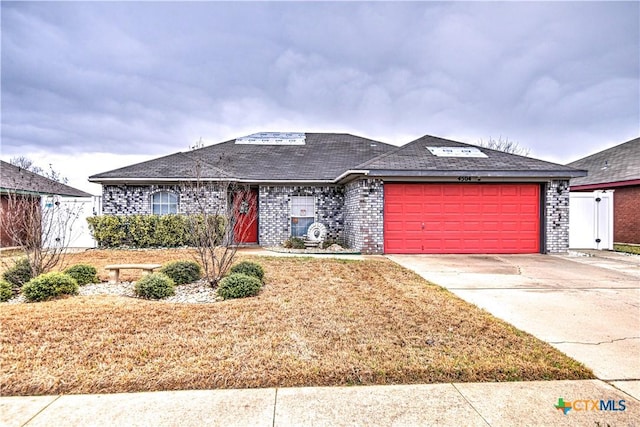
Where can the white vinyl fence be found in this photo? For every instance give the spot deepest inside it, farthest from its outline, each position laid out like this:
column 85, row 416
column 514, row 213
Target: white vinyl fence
column 591, row 220
column 65, row 220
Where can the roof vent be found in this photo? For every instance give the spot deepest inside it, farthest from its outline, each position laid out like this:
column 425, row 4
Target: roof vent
column 456, row 152
column 273, row 138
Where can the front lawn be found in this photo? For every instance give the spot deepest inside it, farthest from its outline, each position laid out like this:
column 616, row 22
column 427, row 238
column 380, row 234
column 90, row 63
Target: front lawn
column 316, row 322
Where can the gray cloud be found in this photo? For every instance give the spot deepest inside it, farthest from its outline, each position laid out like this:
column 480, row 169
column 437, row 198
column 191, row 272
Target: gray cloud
column 151, row 78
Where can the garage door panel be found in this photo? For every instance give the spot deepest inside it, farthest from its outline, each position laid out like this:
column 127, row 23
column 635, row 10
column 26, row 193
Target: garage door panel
column 462, row 218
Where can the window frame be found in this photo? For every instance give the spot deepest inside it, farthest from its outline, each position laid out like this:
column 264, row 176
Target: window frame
column 310, row 201
column 171, row 201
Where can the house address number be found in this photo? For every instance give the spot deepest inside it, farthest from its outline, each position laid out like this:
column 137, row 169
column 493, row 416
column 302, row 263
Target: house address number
column 468, row 178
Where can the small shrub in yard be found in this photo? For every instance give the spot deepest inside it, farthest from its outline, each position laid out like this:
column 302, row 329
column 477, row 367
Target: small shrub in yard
column 182, row 272
column 155, row 286
column 239, row 285
column 294, row 243
column 83, row 274
column 49, row 285
column 6, row 291
column 19, row 274
column 249, row 268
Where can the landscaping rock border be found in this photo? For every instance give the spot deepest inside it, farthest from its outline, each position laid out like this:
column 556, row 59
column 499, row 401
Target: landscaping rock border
column 199, row 292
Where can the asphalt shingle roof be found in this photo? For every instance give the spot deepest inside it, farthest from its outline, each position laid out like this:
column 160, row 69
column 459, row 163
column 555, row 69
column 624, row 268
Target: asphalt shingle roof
column 325, row 157
column 415, row 159
column 14, row 178
column 619, row 163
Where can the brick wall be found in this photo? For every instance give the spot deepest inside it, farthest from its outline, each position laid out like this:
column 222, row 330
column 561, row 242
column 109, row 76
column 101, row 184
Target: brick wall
column 556, row 212
column 136, row 199
column 274, row 207
column 364, row 215
column 353, row 214
column 626, row 214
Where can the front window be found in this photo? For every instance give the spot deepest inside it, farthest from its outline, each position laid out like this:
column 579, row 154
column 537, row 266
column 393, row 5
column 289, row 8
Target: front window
column 302, row 214
column 164, row 203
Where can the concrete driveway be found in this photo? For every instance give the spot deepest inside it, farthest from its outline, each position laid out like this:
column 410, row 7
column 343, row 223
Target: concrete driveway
column 586, row 306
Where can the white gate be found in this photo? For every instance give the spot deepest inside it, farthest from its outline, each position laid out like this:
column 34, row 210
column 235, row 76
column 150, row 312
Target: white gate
column 66, row 220
column 591, row 220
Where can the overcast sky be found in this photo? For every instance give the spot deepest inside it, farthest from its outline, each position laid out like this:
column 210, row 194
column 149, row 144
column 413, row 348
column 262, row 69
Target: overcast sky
column 92, row 86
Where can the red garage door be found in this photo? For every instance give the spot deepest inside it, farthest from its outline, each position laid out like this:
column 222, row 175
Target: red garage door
column 461, row 218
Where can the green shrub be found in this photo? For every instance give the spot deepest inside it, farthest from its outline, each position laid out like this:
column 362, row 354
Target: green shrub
column 155, row 286
column 294, row 243
column 151, row 231
column 249, row 268
column 239, row 286
column 19, row 274
column 83, row 273
column 49, row 285
column 108, row 230
column 6, row 291
column 182, row 272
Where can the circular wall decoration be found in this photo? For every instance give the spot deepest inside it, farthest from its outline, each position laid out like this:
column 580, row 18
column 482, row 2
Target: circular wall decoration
column 316, row 232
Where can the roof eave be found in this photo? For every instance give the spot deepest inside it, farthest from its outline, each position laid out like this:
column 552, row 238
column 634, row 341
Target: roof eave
column 188, row 179
column 604, row 185
column 478, row 173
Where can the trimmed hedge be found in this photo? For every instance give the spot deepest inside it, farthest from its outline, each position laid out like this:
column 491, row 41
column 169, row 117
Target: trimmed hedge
column 155, row 286
column 249, row 268
column 83, row 273
column 239, row 285
column 149, row 231
column 49, row 285
column 182, row 272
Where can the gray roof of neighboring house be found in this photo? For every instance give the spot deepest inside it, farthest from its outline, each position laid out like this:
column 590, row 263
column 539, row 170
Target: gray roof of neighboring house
column 325, row 157
column 14, row 178
column 414, row 159
column 616, row 164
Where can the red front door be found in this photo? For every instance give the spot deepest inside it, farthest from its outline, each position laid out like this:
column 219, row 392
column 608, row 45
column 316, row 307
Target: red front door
column 245, row 208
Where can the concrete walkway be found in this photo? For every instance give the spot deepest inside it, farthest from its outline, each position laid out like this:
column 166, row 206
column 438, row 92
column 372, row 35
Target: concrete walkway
column 586, row 306
column 460, row 404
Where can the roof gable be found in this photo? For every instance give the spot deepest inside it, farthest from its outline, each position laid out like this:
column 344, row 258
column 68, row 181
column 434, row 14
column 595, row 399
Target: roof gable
column 14, row 178
column 616, row 164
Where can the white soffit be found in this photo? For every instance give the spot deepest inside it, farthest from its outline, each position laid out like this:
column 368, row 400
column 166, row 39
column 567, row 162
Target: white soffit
column 456, row 152
column 273, row 138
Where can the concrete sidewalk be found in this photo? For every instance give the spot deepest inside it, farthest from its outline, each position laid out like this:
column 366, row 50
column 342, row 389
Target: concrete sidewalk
column 468, row 404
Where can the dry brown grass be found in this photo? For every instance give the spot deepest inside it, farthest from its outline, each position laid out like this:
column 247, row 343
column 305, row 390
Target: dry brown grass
column 316, row 322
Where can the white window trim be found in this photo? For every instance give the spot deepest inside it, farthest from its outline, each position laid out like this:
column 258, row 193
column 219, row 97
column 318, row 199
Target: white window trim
column 159, row 192
column 292, row 216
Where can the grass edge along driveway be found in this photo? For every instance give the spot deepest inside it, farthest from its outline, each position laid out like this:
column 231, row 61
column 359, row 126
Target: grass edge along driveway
column 317, row 322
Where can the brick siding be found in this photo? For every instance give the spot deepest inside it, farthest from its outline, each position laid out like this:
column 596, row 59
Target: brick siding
column 556, row 216
column 626, row 214
column 364, row 215
column 353, row 214
column 274, row 207
column 131, row 200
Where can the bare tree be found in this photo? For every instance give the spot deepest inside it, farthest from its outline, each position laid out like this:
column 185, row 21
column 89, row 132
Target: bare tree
column 28, row 164
column 505, row 145
column 39, row 224
column 221, row 217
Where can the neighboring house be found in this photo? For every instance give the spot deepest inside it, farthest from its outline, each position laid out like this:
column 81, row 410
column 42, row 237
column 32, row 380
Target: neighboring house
column 618, row 169
column 431, row 195
column 20, row 183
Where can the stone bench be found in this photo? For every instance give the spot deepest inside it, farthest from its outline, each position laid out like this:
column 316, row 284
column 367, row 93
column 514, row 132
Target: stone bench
column 114, row 270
